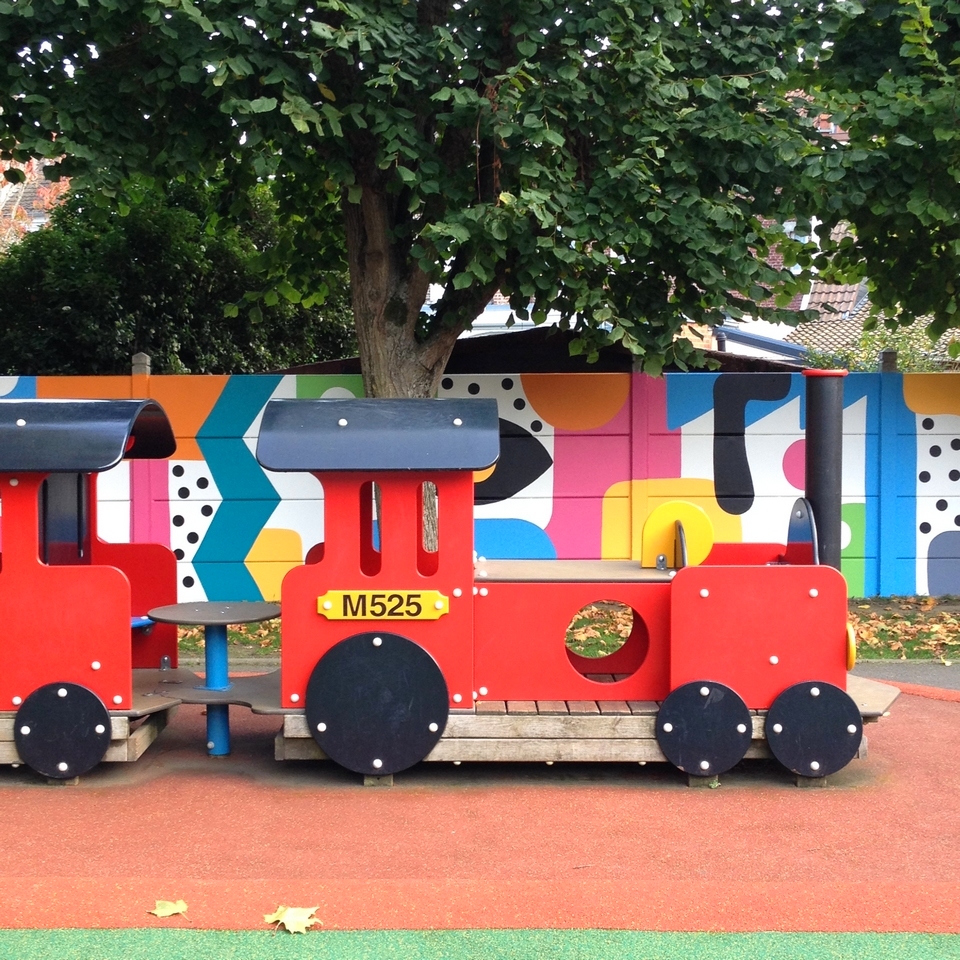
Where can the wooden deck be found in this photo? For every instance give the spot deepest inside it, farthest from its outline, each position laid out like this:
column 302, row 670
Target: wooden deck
column 571, row 730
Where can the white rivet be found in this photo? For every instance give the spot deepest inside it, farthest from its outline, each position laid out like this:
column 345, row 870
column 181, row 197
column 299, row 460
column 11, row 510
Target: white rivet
column 671, row 575
column 852, row 728
column 321, row 727
column 95, row 665
column 814, row 592
column 457, row 422
column 62, row 692
column 814, row 691
column 294, row 697
column 21, row 423
column 433, row 728
column 377, row 764
column 118, row 699
column 481, row 573
column 704, row 764
column 456, row 763
column 778, row 728
column 549, row 763
column 704, row 592
column 642, row 763
column 17, row 701
column 14, row 482
column 327, row 605
column 483, row 691
column 668, row 728
column 210, row 744
column 457, row 592
column 16, row 766
column 741, row 728
column 62, row 767
column 25, row 730
column 377, row 641
column 457, row 698
column 100, row 728
column 476, row 590
column 814, row 765
column 481, row 559
column 474, row 694
column 437, row 604
column 342, row 422
column 774, row 660
column 704, row 691
column 483, row 591
column 798, row 514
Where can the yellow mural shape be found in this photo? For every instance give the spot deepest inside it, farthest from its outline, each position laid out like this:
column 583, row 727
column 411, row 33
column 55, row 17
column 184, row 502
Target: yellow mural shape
column 931, row 393
column 272, row 555
column 627, row 505
column 660, row 534
column 577, row 401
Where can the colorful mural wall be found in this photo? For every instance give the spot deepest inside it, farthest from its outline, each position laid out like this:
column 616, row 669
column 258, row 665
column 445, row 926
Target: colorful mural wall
column 585, row 460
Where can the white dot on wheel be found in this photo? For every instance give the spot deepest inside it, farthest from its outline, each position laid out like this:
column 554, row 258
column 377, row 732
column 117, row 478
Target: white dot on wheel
column 100, row 728
column 434, row 728
column 321, row 727
column 704, row 764
column 852, row 728
column 778, row 728
column 25, row 731
column 62, row 692
column 668, row 728
column 814, row 765
column 377, row 764
column 62, row 767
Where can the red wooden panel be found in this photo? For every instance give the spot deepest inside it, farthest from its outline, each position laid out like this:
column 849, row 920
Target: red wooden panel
column 520, row 644
column 739, row 554
column 307, row 635
column 728, row 622
column 58, row 621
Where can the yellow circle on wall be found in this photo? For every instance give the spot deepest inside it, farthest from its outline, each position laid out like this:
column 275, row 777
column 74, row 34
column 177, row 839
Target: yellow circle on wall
column 660, row 533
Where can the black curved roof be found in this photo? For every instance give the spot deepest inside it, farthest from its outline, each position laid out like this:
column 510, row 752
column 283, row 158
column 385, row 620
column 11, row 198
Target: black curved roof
column 81, row 436
column 374, row 434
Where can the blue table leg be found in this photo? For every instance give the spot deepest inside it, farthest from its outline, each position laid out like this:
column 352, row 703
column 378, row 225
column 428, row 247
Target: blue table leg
column 217, row 678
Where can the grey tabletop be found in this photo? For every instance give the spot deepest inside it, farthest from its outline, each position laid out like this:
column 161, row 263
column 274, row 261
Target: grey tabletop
column 215, row 613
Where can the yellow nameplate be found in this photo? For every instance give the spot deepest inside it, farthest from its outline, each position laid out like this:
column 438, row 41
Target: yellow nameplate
column 389, row 605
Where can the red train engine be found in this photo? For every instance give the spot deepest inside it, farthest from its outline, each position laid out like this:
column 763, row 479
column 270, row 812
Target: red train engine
column 74, row 607
column 391, row 629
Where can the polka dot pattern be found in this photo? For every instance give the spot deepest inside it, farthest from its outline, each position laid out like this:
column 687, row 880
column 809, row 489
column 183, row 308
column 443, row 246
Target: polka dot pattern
column 194, row 500
column 938, row 472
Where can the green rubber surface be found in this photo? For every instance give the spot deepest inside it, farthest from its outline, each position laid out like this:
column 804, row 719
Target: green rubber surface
column 174, row 944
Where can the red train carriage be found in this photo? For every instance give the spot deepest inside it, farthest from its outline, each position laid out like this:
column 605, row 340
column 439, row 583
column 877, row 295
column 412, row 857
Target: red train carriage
column 387, row 635
column 73, row 607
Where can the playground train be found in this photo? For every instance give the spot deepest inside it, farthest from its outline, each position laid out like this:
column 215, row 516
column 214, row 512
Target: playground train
column 395, row 636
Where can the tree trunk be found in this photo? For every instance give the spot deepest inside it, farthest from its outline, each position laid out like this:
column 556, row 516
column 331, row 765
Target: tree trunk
column 388, row 292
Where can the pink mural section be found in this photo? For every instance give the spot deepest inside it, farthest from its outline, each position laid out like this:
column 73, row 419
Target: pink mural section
column 149, row 502
column 610, row 436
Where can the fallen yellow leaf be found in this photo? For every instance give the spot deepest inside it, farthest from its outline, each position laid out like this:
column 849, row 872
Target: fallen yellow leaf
column 295, row 919
column 167, row 908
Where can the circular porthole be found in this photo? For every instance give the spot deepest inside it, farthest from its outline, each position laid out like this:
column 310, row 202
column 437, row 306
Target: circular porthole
column 606, row 640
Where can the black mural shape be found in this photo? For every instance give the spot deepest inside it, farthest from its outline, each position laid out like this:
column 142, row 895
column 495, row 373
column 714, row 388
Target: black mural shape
column 523, row 458
column 943, row 564
column 731, row 471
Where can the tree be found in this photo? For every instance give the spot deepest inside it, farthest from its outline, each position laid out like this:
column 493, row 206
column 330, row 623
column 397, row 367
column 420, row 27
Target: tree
column 892, row 85
column 92, row 288
column 622, row 162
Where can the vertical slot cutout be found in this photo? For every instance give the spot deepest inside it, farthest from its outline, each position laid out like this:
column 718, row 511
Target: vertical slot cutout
column 428, row 549
column 370, row 516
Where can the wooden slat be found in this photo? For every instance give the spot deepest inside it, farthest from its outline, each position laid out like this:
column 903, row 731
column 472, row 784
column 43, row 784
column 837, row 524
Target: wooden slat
column 119, row 727
column 873, row 699
column 582, row 706
column 491, row 706
column 600, row 677
column 522, row 706
column 528, row 727
column 547, row 708
column 134, row 746
column 614, row 707
column 515, row 750
column 644, row 707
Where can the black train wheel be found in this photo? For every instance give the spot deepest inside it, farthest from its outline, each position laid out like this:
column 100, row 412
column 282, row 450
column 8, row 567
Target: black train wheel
column 377, row 703
column 704, row 728
column 62, row 730
column 814, row 729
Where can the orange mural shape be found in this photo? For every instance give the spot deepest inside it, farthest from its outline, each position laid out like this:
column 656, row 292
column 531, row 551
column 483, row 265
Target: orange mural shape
column 577, row 401
column 931, row 393
column 188, row 401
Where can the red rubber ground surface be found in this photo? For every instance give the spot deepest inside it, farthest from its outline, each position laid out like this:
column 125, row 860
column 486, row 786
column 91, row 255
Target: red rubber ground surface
column 493, row 845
